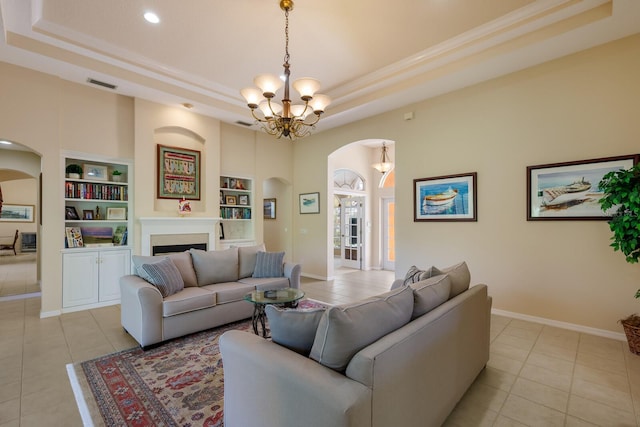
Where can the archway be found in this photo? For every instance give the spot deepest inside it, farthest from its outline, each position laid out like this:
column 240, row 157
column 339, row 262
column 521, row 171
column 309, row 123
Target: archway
column 20, row 182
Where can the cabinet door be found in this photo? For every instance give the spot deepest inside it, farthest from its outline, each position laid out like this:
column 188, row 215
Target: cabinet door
column 79, row 278
column 113, row 265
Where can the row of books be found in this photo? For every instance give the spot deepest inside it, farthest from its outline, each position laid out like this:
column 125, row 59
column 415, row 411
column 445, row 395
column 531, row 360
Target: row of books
column 86, row 237
column 83, row 190
column 235, row 213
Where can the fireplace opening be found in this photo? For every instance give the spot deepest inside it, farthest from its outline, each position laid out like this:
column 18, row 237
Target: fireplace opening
column 168, row 249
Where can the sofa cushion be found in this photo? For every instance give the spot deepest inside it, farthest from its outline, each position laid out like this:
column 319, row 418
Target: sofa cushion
column 269, row 264
column 430, row 293
column 345, row 330
column 415, row 275
column 294, row 329
column 266, row 283
column 215, row 266
column 165, row 276
column 189, row 299
column 459, row 275
column 182, row 261
column 229, row 291
column 247, row 259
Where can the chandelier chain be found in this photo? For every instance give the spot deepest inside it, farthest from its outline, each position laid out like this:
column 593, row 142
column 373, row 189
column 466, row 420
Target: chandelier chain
column 286, row 36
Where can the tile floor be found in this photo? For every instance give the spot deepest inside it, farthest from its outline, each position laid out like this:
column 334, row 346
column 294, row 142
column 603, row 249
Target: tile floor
column 537, row 375
column 18, row 274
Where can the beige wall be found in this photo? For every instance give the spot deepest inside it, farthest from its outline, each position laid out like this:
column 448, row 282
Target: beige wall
column 580, row 107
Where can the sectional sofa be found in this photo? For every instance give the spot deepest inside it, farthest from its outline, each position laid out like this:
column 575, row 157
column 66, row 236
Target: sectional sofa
column 174, row 295
column 403, row 358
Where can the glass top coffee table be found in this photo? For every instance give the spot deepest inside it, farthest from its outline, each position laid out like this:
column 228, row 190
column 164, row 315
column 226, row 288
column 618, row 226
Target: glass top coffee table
column 260, row 299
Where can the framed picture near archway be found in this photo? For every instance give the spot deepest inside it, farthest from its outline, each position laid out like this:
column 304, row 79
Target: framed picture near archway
column 269, row 208
column 310, row 203
column 17, row 213
column 178, row 173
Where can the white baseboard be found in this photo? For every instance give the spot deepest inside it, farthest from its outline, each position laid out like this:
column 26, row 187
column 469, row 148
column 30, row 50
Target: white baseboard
column 571, row 326
column 54, row 313
column 313, row 276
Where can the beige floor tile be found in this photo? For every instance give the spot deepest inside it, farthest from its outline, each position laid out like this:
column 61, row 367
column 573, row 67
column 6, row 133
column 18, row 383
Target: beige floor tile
column 498, row 347
column 615, row 366
column 9, row 410
column 606, row 395
column 470, row 416
column 531, row 413
column 12, row 423
column 483, row 396
column 542, row 394
column 503, row 421
column 505, row 364
column 551, row 363
column 559, row 352
column 604, row 378
column 546, row 376
column 10, row 391
column 577, row 422
column 515, row 341
column 602, row 347
column 496, row 378
column 598, row 413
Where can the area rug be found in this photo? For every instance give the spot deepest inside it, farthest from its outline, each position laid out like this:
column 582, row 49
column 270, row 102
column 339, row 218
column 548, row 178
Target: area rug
column 179, row 383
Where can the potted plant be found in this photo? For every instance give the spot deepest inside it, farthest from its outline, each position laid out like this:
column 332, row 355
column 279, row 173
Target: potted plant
column 116, row 176
column 73, row 171
column 622, row 191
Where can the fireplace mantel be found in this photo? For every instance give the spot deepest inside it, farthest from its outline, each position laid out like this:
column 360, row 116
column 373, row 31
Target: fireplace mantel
column 150, row 226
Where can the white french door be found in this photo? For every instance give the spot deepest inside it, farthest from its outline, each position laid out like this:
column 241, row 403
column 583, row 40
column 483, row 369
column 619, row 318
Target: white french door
column 351, row 220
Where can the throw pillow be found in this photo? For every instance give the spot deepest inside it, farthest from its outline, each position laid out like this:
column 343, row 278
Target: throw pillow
column 183, row 263
column 139, row 260
column 459, row 275
column 415, row 275
column 345, row 330
column 215, row 266
column 430, row 293
column 269, row 264
column 165, row 276
column 247, row 259
column 294, row 329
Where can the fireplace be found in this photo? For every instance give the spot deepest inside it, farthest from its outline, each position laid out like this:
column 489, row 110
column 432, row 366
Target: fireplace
column 160, row 235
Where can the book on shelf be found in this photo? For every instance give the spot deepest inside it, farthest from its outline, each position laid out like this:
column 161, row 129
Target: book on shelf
column 74, row 237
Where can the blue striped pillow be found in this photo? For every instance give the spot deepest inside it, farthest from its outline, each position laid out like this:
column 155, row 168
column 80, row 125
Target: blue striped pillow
column 165, row 276
column 269, row 264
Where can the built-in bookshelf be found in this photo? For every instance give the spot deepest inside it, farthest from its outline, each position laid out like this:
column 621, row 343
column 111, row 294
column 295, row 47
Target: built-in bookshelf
column 236, row 210
column 96, row 244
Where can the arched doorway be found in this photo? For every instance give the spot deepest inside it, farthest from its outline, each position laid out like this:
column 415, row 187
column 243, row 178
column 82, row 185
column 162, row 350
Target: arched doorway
column 20, row 185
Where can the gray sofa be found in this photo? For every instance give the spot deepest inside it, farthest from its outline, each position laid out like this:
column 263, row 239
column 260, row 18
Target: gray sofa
column 213, row 286
column 411, row 376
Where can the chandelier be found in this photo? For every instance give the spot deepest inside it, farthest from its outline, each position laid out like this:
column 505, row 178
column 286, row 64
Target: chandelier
column 385, row 163
column 290, row 121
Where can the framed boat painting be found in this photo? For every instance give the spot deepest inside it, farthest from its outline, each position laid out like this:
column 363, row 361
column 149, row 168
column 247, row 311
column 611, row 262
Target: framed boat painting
column 569, row 191
column 445, row 198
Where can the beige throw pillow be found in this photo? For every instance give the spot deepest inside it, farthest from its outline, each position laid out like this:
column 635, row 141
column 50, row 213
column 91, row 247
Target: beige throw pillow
column 345, row 330
column 430, row 293
column 459, row 275
column 294, row 329
column 215, row 266
column 247, row 259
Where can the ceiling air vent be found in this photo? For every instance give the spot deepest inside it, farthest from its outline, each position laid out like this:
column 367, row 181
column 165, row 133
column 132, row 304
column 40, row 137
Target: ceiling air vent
column 103, row 84
column 240, row 122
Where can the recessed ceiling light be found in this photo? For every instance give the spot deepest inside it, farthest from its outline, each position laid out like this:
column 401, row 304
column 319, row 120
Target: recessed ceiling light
column 187, row 105
column 5, row 142
column 151, row 17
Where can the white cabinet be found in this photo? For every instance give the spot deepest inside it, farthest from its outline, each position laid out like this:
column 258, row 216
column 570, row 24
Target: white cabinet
column 91, row 277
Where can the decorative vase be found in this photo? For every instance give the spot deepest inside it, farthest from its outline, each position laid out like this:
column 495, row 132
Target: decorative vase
column 116, row 178
column 73, row 175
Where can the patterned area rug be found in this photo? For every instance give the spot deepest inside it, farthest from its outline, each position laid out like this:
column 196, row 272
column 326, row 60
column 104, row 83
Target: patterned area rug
column 179, row 383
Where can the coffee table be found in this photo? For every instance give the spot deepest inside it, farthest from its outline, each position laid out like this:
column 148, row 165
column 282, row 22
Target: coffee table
column 260, row 299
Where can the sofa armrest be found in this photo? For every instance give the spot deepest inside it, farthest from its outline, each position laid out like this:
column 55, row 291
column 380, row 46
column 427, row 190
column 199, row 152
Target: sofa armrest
column 292, row 272
column 141, row 310
column 266, row 385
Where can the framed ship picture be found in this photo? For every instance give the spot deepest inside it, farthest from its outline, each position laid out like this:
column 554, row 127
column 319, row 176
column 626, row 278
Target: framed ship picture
column 570, row 191
column 445, row 198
